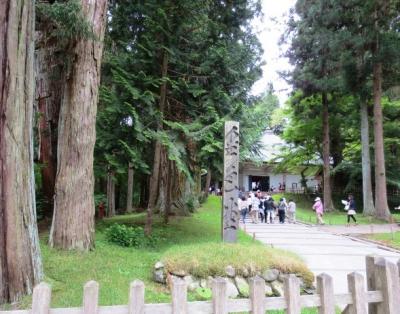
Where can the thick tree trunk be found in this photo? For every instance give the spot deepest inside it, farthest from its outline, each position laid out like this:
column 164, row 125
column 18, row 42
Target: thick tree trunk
column 73, row 219
column 110, row 194
column 129, row 193
column 381, row 204
column 168, row 197
column 368, row 201
column 163, row 186
column 20, row 259
column 154, row 184
column 48, row 71
column 208, row 182
column 328, row 203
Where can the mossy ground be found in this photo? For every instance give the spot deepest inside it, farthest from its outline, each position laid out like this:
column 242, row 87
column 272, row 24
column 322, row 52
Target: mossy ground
column 114, row 267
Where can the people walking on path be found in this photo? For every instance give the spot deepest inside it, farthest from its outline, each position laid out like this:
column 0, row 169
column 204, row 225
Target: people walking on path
column 282, row 207
column 254, row 208
column 243, row 207
column 319, row 210
column 292, row 211
column 269, row 210
column 351, row 212
column 261, row 207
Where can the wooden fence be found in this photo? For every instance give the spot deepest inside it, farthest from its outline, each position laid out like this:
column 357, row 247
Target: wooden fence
column 382, row 296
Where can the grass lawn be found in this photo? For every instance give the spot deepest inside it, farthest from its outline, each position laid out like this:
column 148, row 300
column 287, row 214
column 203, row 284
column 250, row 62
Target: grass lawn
column 114, row 267
column 304, row 213
column 386, row 239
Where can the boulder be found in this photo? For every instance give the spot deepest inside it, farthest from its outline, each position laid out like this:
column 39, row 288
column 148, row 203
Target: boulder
column 179, row 273
column 277, row 288
column 159, row 265
column 203, row 283
column 282, row 277
column 245, row 272
column 188, row 280
column 270, row 275
column 242, row 286
column 232, row 291
column 159, row 276
column 230, row 271
column 268, row 290
column 191, row 283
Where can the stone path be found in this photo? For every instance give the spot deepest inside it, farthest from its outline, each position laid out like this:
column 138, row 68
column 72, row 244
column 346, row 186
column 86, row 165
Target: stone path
column 323, row 251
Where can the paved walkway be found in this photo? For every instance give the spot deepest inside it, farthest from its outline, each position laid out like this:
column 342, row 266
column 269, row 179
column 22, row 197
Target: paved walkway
column 323, row 251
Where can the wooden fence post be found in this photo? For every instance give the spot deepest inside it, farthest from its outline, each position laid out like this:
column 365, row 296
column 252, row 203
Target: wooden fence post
column 292, row 294
column 257, row 295
column 357, row 290
column 90, row 297
column 136, row 297
column 179, row 296
column 326, row 293
column 41, row 299
column 219, row 296
column 370, row 261
column 387, row 281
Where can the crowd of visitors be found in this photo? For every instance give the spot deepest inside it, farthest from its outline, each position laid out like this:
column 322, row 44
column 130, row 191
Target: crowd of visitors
column 262, row 207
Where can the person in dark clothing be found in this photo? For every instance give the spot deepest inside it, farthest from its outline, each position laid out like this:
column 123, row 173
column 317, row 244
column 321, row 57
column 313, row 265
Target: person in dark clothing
column 261, row 207
column 282, row 207
column 269, row 206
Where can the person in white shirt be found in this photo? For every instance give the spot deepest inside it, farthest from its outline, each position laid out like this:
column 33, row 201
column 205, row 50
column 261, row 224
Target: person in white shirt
column 292, row 211
column 255, row 202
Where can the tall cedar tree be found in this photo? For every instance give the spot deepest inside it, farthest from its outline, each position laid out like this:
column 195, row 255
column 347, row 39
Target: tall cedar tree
column 203, row 59
column 73, row 218
column 20, row 259
column 315, row 67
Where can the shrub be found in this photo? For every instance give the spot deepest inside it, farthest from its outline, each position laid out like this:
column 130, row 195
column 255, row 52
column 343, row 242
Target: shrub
column 129, row 236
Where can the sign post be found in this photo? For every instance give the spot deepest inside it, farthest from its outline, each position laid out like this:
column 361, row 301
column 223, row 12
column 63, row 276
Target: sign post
column 230, row 208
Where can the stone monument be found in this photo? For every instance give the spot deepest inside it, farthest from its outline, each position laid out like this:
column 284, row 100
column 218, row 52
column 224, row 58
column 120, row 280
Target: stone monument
column 230, row 214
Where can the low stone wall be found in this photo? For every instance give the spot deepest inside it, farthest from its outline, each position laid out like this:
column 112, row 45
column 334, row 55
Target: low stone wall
column 238, row 286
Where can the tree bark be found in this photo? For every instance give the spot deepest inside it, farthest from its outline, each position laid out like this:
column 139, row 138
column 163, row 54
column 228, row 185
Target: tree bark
column 73, row 219
column 163, row 186
column 154, row 184
column 129, row 193
column 328, row 203
column 110, row 194
column 368, row 201
column 168, row 197
column 20, row 258
column 208, row 182
column 381, row 204
column 48, row 70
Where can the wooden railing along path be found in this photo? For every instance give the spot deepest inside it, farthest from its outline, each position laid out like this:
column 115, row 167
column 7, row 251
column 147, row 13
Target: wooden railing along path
column 382, row 296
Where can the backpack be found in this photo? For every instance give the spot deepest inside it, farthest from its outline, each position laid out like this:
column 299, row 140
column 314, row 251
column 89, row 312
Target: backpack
column 282, row 206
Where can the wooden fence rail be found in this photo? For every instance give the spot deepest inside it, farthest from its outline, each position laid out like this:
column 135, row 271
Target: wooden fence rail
column 382, row 296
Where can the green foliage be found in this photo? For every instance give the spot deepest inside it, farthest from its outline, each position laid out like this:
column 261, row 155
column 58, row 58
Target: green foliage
column 214, row 58
column 66, row 21
column 204, row 293
column 129, row 236
column 114, row 267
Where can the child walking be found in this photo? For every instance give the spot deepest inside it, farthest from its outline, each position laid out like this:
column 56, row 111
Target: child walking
column 319, row 211
column 351, row 211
